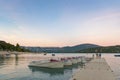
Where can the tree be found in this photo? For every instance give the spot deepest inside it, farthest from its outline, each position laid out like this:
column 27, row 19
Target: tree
column 18, row 48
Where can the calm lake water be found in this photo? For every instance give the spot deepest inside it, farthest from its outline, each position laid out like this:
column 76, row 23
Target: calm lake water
column 16, row 68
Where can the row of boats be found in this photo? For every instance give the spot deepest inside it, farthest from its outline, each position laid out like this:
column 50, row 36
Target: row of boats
column 58, row 63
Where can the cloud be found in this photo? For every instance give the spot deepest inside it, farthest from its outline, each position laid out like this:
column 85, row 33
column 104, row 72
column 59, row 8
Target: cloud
column 105, row 22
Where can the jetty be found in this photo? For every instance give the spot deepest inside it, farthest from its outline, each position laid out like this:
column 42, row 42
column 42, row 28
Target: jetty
column 96, row 69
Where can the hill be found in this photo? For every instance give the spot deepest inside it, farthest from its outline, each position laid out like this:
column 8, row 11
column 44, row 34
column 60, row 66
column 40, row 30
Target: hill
column 4, row 46
column 66, row 49
column 108, row 49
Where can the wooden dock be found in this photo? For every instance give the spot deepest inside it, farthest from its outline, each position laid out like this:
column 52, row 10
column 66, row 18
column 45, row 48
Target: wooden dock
column 97, row 69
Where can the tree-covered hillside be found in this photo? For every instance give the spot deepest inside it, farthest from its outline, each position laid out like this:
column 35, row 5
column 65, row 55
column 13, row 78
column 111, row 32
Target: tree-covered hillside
column 4, row 46
column 109, row 49
column 67, row 49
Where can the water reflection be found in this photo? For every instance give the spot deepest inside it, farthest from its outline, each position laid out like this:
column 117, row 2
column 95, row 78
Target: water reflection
column 60, row 71
column 6, row 61
column 47, row 70
column 16, row 60
column 2, row 62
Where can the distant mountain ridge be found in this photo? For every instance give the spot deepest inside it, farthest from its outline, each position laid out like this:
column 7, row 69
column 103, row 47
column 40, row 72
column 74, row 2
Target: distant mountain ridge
column 66, row 49
column 107, row 49
column 81, row 48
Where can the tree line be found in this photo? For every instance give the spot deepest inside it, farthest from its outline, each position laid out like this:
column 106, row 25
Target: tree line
column 4, row 46
column 109, row 49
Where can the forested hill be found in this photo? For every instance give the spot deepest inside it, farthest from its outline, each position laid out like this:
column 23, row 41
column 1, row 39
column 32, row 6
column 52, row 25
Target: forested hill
column 82, row 48
column 108, row 49
column 4, row 46
column 66, row 49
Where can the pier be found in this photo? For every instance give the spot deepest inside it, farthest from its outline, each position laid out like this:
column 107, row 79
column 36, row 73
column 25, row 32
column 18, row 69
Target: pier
column 97, row 69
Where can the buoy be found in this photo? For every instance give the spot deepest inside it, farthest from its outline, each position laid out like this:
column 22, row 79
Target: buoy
column 53, row 54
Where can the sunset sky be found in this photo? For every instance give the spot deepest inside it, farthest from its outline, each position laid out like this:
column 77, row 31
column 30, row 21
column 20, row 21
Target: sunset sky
column 60, row 22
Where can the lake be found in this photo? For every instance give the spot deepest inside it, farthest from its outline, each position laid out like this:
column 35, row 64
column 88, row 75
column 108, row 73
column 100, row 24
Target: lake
column 16, row 68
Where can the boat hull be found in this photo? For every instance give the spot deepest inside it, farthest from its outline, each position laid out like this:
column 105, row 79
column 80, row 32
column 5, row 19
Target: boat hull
column 48, row 65
column 67, row 63
column 74, row 61
column 79, row 60
column 83, row 60
column 117, row 55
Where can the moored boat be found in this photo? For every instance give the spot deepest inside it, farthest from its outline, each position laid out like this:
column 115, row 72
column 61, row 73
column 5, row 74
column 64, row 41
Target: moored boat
column 34, row 63
column 79, row 59
column 117, row 55
column 66, row 61
column 47, row 64
column 74, row 60
column 83, row 59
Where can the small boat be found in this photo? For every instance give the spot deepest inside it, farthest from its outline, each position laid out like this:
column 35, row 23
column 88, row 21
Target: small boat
column 45, row 53
column 66, row 62
column 34, row 63
column 117, row 55
column 83, row 60
column 79, row 59
column 47, row 64
column 74, row 60
column 53, row 54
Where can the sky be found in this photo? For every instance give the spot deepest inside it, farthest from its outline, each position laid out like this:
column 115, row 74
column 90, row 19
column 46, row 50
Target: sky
column 60, row 22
